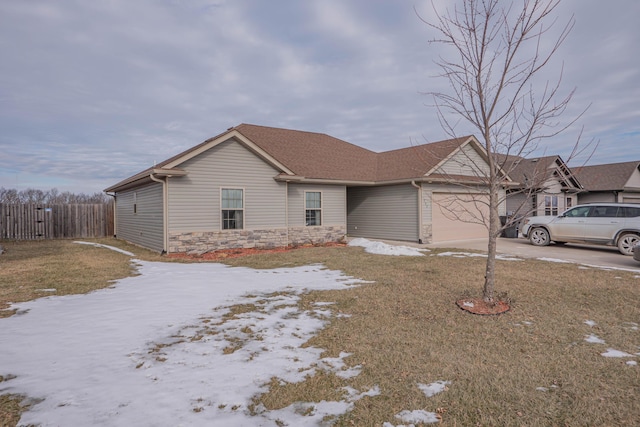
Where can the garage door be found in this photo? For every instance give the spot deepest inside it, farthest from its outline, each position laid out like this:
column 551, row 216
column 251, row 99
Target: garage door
column 631, row 199
column 457, row 217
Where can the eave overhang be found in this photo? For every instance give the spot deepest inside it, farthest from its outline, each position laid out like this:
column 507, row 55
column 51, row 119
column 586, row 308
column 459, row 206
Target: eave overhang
column 144, row 178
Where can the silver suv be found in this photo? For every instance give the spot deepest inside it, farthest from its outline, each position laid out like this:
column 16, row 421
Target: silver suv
column 614, row 224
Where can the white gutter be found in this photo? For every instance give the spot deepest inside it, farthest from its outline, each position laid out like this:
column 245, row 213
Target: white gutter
column 419, row 187
column 165, row 214
column 115, row 213
column 286, row 208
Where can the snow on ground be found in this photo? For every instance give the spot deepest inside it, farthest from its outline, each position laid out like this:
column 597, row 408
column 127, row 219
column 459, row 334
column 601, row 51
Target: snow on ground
column 162, row 348
column 594, row 339
column 380, row 248
column 113, row 248
column 156, row 349
column 477, row 255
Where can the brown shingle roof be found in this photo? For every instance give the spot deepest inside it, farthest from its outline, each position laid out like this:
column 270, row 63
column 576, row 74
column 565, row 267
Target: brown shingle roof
column 313, row 155
column 608, row 177
column 416, row 161
column 319, row 156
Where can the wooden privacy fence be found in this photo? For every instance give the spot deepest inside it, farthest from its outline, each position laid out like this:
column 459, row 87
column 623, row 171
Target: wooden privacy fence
column 59, row 221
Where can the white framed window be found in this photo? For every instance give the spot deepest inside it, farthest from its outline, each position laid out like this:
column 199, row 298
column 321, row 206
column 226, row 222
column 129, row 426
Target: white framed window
column 312, row 208
column 551, row 205
column 232, row 205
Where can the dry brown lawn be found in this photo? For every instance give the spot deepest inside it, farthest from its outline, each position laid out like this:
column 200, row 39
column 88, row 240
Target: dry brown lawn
column 405, row 329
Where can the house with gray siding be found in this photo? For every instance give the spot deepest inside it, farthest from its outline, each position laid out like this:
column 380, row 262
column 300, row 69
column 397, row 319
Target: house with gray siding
column 611, row 182
column 547, row 186
column 262, row 187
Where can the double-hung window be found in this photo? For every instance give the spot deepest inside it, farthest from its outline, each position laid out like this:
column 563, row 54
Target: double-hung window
column 551, row 205
column 313, row 207
column 232, row 208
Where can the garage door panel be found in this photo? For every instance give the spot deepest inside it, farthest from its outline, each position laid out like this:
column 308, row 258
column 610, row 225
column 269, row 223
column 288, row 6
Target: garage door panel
column 459, row 216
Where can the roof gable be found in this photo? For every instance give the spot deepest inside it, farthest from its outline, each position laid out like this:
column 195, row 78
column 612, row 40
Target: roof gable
column 538, row 171
column 315, row 156
column 417, row 161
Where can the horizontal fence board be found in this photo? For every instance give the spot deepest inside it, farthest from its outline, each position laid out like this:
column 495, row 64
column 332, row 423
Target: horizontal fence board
column 58, row 221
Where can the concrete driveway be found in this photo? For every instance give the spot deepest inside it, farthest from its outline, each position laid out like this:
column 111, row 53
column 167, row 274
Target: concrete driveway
column 603, row 256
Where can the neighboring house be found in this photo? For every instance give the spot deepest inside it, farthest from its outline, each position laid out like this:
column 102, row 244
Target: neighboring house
column 546, row 186
column 256, row 186
column 612, row 182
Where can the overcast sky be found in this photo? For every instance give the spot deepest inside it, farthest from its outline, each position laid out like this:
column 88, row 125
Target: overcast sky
column 92, row 92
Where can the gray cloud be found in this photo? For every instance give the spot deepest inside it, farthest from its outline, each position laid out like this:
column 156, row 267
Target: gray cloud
column 91, row 92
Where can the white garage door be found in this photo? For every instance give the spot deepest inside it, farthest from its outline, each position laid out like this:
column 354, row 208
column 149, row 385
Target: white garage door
column 459, row 217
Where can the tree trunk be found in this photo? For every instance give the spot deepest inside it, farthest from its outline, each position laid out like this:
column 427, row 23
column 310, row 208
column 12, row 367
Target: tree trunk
column 494, row 229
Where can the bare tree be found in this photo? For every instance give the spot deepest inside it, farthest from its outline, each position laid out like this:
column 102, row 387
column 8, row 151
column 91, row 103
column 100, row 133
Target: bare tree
column 496, row 85
column 53, row 196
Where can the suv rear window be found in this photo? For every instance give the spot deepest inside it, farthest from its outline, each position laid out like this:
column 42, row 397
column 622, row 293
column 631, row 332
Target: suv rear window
column 604, row 211
column 629, row 212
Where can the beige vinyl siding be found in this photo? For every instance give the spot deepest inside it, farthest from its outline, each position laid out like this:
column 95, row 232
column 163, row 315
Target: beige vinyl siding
column 194, row 199
column 597, row 197
column 459, row 216
column 429, row 189
column 146, row 226
column 334, row 199
column 631, row 199
column 389, row 212
column 467, row 161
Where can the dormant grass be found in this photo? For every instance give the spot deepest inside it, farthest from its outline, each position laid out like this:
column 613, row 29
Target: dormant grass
column 528, row 367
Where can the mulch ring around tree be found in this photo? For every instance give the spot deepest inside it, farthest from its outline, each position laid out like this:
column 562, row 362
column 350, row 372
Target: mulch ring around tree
column 240, row 252
column 482, row 307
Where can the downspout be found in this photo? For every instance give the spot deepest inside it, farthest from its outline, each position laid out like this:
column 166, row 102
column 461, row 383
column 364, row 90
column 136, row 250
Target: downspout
column 115, row 216
column 413, row 183
column 165, row 214
column 286, row 209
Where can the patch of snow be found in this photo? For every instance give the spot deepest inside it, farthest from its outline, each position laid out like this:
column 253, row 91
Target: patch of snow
column 590, row 323
column 122, row 251
column 589, row 266
column 560, row 261
column 418, row 416
column 616, row 353
column 47, row 290
column 542, row 389
column 337, row 365
column 501, row 257
column 468, row 304
column 606, row 268
column 381, row 248
column 630, row 325
column 632, row 363
column 594, row 339
column 312, row 414
column 434, row 388
column 162, row 348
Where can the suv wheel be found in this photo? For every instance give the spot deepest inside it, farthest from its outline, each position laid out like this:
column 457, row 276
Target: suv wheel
column 539, row 237
column 626, row 242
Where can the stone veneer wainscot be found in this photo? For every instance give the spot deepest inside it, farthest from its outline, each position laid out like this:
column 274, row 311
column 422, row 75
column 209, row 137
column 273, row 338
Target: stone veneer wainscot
column 202, row 242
